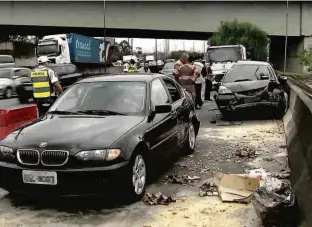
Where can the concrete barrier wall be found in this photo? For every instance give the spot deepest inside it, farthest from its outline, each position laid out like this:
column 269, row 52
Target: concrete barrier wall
column 298, row 129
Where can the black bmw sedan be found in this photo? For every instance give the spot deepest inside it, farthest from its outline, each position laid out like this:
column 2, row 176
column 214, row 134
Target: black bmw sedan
column 101, row 134
column 250, row 84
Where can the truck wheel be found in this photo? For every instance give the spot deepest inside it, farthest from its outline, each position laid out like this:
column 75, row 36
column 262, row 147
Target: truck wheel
column 8, row 93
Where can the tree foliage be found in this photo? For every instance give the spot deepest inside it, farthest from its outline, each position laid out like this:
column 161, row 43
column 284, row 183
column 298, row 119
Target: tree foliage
column 125, row 47
column 305, row 58
column 177, row 54
column 251, row 36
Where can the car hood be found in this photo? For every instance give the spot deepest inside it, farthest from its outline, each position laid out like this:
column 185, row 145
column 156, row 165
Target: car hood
column 73, row 132
column 246, row 85
column 221, row 66
column 166, row 71
column 4, row 81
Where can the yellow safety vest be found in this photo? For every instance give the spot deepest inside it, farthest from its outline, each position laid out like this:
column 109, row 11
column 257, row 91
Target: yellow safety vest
column 41, row 84
column 132, row 69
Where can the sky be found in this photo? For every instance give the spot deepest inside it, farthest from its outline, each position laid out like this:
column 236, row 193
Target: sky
column 148, row 45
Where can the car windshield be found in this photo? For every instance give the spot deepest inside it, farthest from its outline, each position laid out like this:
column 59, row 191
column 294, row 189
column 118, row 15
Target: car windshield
column 223, row 54
column 5, row 73
column 103, row 98
column 239, row 73
column 169, row 65
column 48, row 49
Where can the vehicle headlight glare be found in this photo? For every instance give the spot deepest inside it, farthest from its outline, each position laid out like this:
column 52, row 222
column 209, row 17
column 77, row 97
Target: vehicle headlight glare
column 6, row 152
column 98, row 155
column 224, row 90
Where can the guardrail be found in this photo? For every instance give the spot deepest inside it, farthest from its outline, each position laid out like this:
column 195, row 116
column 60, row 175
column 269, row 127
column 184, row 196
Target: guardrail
column 298, row 130
column 11, row 119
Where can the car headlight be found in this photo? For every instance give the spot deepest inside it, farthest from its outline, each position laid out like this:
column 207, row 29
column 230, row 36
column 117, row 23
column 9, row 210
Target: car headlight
column 6, row 153
column 17, row 82
column 224, row 90
column 98, row 155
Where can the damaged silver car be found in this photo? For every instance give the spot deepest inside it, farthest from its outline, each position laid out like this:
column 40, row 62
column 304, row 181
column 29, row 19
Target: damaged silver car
column 251, row 84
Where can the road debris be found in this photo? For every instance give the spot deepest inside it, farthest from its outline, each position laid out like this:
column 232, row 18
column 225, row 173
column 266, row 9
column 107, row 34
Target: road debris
column 283, row 175
column 275, row 203
column 235, row 187
column 208, row 189
column 213, row 121
column 244, row 151
column 158, row 199
column 183, row 180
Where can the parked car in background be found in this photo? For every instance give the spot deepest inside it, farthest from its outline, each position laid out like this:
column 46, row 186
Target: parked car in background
column 168, row 69
column 251, row 84
column 8, row 78
column 103, row 134
column 6, row 61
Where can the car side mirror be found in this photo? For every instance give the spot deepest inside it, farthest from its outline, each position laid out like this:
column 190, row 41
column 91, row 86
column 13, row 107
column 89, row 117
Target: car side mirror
column 282, row 79
column 166, row 108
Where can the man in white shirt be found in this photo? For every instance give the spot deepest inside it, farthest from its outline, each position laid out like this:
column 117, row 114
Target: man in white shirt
column 198, row 86
column 145, row 68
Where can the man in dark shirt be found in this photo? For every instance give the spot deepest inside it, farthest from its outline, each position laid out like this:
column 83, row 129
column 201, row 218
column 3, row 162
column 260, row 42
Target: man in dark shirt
column 208, row 82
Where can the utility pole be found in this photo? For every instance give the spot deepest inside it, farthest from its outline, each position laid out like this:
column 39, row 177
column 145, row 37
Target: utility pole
column 104, row 41
column 286, row 37
column 156, row 53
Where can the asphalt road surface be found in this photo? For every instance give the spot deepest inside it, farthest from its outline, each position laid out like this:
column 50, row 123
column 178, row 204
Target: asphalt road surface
column 216, row 149
column 10, row 103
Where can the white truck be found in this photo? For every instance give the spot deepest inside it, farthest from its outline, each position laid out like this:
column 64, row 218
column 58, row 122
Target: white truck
column 223, row 58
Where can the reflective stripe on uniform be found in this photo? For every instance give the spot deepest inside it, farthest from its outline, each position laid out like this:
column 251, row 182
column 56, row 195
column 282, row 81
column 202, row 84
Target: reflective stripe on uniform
column 41, row 84
column 132, row 69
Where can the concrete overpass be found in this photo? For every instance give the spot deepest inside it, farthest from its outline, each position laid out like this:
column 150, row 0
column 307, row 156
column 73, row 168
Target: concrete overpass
column 161, row 19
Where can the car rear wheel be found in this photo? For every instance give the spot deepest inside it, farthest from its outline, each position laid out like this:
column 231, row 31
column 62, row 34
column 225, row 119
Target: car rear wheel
column 191, row 139
column 8, row 93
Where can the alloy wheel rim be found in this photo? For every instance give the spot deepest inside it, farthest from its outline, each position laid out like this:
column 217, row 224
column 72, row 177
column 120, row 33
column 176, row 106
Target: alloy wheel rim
column 191, row 136
column 139, row 175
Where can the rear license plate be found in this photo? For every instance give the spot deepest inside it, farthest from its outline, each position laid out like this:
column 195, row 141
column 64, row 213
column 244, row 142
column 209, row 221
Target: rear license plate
column 39, row 177
column 254, row 99
column 28, row 88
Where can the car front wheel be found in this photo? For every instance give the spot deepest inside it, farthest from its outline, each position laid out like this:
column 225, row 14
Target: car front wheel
column 8, row 93
column 136, row 178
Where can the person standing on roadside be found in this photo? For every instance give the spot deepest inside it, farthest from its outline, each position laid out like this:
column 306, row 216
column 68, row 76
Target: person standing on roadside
column 198, row 85
column 45, row 83
column 145, row 68
column 132, row 67
column 188, row 74
column 208, row 82
column 183, row 60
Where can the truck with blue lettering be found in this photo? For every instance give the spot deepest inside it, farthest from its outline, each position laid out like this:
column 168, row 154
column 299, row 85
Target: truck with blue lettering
column 74, row 49
column 72, row 57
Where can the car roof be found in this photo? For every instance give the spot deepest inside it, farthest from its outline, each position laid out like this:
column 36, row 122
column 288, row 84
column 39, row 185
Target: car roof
column 135, row 77
column 252, row 63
